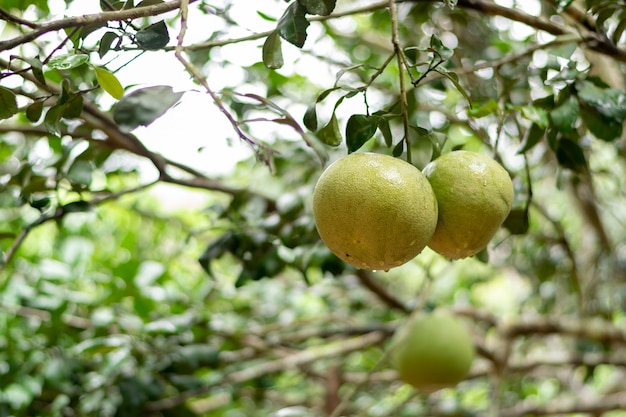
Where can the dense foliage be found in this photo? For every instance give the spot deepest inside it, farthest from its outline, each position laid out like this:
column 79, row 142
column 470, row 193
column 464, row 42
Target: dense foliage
column 120, row 296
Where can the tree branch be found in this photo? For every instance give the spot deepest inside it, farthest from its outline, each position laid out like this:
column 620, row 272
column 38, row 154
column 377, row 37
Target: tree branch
column 591, row 39
column 304, row 357
column 365, row 278
column 91, row 19
column 195, row 73
column 612, row 402
column 592, row 329
column 4, row 15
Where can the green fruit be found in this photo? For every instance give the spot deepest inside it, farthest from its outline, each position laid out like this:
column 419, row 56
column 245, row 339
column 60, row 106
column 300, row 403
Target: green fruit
column 374, row 211
column 474, row 195
column 432, row 351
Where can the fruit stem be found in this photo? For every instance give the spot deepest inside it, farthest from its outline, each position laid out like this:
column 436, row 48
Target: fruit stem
column 395, row 40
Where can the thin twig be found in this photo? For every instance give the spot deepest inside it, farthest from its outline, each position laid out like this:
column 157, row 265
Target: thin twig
column 195, row 73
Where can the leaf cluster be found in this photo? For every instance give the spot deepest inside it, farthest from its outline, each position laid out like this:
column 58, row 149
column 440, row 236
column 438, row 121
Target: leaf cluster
column 584, row 104
column 292, row 27
column 605, row 11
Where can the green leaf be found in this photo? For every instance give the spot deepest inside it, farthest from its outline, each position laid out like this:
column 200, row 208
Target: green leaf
column 322, row 96
column 144, row 106
column 420, row 131
column 265, row 16
column 565, row 115
column 52, row 120
column 455, row 80
column 563, row 4
column 517, row 222
column 570, row 155
column 34, row 111
column 398, row 149
column 310, row 117
column 330, row 134
column 70, row 109
column 68, row 61
column 411, row 53
column 77, row 207
column 601, row 127
column 437, row 45
column 293, row 24
column 146, row 3
column 359, row 129
column 153, row 37
column 228, row 242
column 66, row 91
column 39, row 203
column 619, row 29
column 105, row 43
column 109, row 82
column 606, row 12
column 318, row 7
column 609, row 102
column 552, row 136
column 438, row 141
column 536, row 115
column 564, row 51
column 490, row 107
column 385, row 130
column 81, row 173
column 272, row 52
column 531, row 138
column 84, row 31
column 73, row 107
column 36, row 67
column 8, row 103
column 483, row 256
column 546, row 103
column 96, row 155
column 111, row 5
